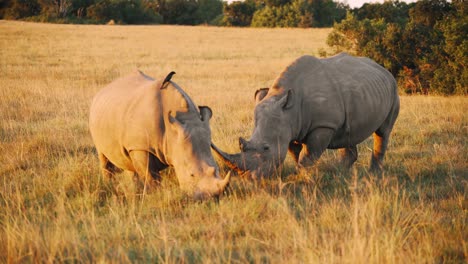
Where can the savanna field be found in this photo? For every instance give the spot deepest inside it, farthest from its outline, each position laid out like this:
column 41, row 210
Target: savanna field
column 54, row 206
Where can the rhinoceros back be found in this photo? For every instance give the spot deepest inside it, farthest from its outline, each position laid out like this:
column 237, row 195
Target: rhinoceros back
column 351, row 95
column 125, row 116
column 362, row 95
column 369, row 94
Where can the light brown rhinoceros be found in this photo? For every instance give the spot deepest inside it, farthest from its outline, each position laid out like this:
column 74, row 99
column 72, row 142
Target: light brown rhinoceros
column 143, row 125
column 315, row 104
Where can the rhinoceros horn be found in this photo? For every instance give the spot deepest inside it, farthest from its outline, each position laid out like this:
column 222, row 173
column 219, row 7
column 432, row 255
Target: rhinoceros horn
column 224, row 183
column 236, row 162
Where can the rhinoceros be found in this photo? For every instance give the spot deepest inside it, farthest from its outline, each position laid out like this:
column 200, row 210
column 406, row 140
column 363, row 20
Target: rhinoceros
column 143, row 125
column 315, row 104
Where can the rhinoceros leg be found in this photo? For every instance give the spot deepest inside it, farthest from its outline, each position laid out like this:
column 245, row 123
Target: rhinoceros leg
column 380, row 146
column 108, row 169
column 381, row 138
column 295, row 150
column 348, row 156
column 315, row 144
column 146, row 170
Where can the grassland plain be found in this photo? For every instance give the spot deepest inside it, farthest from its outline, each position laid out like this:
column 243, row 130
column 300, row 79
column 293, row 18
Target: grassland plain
column 54, row 207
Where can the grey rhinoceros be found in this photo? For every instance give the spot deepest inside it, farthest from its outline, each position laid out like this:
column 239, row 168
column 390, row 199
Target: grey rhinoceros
column 316, row 104
column 143, row 125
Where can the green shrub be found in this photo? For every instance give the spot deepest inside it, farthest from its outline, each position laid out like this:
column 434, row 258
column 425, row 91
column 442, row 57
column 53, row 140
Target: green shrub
column 451, row 77
column 22, row 8
column 208, row 11
column 239, row 14
column 278, row 16
column 299, row 13
column 427, row 53
column 124, row 12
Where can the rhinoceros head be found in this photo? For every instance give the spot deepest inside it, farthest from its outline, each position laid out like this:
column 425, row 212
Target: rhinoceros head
column 267, row 148
column 188, row 139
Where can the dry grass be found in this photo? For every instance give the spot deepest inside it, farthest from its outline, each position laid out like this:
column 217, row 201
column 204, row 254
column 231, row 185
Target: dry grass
column 53, row 206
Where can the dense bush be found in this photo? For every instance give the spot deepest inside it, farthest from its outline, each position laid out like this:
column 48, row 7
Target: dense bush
column 238, row 13
column 390, row 11
column 123, row 11
column 298, row 13
column 424, row 44
column 79, row 7
column 16, row 9
column 189, row 12
column 278, row 16
column 208, row 11
column 179, row 12
column 451, row 77
column 326, row 12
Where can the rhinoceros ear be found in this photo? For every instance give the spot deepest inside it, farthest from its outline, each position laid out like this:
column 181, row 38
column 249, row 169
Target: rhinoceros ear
column 167, row 79
column 286, row 101
column 260, row 94
column 205, row 113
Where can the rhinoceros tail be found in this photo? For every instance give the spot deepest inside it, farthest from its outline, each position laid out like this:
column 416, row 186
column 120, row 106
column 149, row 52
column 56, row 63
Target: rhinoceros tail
column 167, row 79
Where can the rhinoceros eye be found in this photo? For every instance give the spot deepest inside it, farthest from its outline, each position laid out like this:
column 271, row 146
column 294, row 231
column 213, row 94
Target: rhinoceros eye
column 266, row 148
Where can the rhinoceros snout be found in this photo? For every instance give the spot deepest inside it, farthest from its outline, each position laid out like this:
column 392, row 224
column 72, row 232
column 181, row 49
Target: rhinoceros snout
column 202, row 196
column 211, row 188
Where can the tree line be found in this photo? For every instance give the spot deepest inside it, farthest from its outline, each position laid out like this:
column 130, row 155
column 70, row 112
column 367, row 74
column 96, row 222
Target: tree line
column 257, row 13
column 423, row 44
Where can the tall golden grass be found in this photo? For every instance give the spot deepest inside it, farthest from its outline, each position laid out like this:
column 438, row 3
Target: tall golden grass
column 54, row 207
